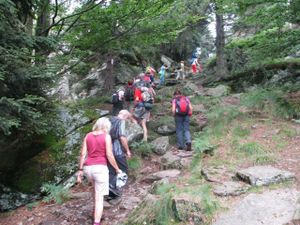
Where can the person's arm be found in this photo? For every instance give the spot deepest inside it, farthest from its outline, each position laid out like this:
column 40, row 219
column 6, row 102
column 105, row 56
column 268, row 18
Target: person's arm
column 191, row 107
column 81, row 161
column 123, row 138
column 124, row 143
column 173, row 107
column 109, row 153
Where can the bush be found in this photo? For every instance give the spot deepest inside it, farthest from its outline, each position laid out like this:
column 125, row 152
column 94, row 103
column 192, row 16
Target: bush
column 144, row 149
column 56, row 193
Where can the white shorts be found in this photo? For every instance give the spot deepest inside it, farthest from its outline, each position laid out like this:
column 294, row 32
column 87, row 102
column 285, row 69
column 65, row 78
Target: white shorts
column 98, row 175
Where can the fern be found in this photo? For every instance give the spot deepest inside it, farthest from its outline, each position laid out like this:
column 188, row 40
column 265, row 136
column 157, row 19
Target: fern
column 56, row 193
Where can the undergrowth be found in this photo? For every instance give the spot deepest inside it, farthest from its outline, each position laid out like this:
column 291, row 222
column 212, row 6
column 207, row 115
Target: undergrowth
column 272, row 102
column 57, row 193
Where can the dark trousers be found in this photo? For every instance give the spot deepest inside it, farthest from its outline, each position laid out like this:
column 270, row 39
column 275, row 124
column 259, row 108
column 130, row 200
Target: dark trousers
column 182, row 130
column 122, row 164
column 117, row 107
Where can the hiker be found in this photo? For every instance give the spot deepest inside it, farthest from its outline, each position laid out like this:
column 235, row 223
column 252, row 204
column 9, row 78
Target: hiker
column 180, row 71
column 182, row 110
column 129, row 95
column 195, row 64
column 141, row 115
column 138, row 84
column 148, row 100
column 96, row 151
column 120, row 150
column 162, row 74
column 118, row 101
column 150, row 70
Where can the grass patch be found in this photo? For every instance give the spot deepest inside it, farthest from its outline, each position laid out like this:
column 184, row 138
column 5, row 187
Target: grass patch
column 256, row 153
column 272, row 102
column 134, row 163
column 221, row 117
column 241, row 132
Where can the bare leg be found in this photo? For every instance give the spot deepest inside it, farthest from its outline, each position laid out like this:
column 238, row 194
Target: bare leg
column 98, row 208
column 143, row 123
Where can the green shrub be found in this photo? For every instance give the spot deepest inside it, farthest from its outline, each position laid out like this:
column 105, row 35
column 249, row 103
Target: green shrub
column 56, row 193
column 143, row 148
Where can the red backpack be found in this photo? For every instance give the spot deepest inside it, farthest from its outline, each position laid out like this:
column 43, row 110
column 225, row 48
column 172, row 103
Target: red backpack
column 182, row 106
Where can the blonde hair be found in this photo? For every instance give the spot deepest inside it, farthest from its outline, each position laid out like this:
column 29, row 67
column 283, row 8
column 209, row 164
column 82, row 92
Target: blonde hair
column 102, row 124
column 124, row 114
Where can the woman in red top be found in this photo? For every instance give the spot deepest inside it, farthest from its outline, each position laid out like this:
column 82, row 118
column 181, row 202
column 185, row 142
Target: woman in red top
column 97, row 146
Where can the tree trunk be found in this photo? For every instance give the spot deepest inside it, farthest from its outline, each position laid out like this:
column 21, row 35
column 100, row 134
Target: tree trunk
column 221, row 70
column 43, row 18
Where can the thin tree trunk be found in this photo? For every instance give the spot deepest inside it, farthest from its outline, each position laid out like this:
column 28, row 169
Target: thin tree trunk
column 221, row 70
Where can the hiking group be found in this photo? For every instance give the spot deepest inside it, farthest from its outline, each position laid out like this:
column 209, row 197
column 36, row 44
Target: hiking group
column 105, row 149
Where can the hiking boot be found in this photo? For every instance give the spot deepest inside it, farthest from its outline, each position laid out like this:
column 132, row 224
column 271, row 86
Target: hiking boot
column 189, row 146
column 180, row 148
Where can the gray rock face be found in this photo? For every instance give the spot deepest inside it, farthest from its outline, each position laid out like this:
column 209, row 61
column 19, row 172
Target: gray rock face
column 264, row 175
column 103, row 112
column 192, row 88
column 134, row 132
column 72, row 120
column 230, row 188
column 166, row 60
column 271, row 208
column 166, row 130
column 161, row 145
column 219, row 91
column 187, row 208
column 171, row 161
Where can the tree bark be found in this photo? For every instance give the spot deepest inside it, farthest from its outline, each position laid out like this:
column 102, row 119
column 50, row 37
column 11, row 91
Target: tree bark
column 221, row 62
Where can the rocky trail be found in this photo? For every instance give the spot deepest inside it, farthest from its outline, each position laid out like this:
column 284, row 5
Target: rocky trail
column 248, row 192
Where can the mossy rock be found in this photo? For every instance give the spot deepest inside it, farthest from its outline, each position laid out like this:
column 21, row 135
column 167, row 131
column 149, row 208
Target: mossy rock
column 33, row 173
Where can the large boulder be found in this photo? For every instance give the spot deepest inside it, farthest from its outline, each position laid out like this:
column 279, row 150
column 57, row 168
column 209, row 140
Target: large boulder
column 264, row 175
column 219, row 91
column 173, row 173
column 166, row 60
column 171, row 161
column 134, row 132
column 161, row 145
column 271, row 207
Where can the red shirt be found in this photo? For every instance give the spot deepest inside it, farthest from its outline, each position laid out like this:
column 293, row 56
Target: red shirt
column 96, row 149
column 137, row 95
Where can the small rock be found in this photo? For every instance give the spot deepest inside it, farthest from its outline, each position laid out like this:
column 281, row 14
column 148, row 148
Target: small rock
column 230, row 189
column 166, row 130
